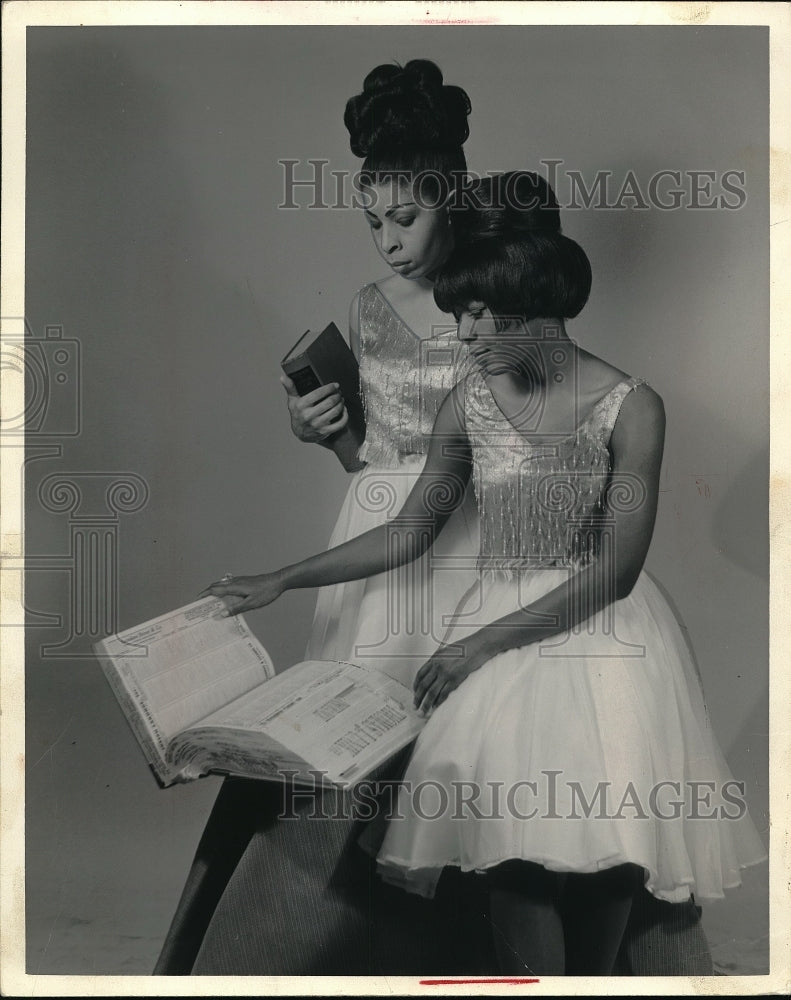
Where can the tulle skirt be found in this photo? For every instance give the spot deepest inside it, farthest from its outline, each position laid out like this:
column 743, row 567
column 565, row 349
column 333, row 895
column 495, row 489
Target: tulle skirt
column 395, row 620
column 586, row 751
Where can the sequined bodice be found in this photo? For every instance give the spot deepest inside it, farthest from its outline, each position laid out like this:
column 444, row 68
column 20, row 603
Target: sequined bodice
column 404, row 380
column 539, row 503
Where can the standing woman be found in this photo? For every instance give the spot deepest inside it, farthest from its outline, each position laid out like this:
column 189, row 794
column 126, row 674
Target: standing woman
column 268, row 896
column 409, row 127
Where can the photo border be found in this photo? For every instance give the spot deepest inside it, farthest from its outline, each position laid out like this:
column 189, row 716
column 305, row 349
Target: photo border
column 18, row 15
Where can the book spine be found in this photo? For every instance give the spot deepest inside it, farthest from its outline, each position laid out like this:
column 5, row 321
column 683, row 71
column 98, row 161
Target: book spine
column 305, row 380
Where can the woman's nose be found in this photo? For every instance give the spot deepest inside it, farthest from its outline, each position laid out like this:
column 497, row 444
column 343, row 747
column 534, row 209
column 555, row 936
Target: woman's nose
column 390, row 239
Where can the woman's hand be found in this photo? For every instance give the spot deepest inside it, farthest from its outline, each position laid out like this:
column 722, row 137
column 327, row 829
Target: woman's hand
column 444, row 672
column 243, row 593
column 318, row 414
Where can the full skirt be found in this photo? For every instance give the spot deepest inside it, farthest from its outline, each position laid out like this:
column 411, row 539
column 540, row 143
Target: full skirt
column 585, row 751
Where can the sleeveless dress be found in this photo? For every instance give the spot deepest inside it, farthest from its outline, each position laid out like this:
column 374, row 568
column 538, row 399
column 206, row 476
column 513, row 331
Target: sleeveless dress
column 578, row 746
column 266, row 896
column 395, row 620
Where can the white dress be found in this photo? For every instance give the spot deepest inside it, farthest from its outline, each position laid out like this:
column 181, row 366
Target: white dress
column 590, row 749
column 396, row 620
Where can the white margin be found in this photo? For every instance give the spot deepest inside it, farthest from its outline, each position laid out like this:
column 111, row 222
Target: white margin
column 17, row 15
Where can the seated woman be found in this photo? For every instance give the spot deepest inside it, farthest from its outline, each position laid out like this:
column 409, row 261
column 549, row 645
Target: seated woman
column 563, row 697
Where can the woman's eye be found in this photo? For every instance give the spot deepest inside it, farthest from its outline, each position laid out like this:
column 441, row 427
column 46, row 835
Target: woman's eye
column 406, row 222
column 374, row 224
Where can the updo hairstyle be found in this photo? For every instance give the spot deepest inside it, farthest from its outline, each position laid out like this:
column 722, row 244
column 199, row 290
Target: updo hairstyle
column 408, row 123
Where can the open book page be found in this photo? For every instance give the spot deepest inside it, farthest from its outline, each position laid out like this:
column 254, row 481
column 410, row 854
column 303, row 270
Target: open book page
column 182, row 666
column 342, row 719
column 246, row 753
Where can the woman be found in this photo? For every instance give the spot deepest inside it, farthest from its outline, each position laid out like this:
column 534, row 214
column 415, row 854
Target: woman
column 567, row 733
column 406, row 123
column 410, row 128
column 253, row 875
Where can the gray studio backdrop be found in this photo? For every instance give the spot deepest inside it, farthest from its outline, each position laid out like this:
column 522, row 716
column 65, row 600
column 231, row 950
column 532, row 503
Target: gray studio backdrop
column 157, row 254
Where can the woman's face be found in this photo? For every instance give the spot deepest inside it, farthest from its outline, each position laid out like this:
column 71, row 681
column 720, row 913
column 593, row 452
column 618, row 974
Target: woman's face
column 496, row 344
column 413, row 240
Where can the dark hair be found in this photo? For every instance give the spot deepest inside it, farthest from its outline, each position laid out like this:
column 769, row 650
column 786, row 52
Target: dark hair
column 407, row 123
column 512, row 256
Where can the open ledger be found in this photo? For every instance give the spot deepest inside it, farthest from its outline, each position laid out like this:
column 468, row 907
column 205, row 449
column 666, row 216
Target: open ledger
column 201, row 695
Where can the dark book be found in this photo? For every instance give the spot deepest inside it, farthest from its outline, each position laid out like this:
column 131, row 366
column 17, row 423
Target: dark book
column 317, row 359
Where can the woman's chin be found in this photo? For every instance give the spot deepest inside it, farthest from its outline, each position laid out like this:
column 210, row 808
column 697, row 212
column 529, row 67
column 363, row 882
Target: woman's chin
column 409, row 270
column 498, row 369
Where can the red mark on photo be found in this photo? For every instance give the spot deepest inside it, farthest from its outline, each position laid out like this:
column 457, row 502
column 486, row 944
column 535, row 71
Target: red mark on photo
column 457, row 20
column 476, row 982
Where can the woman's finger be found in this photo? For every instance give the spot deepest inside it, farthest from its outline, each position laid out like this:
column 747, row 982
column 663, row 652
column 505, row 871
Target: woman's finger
column 430, row 698
column 420, row 675
column 218, row 589
column 317, row 395
column 320, row 421
column 288, row 385
column 329, row 417
column 321, row 408
column 338, row 424
column 444, row 691
column 233, row 607
column 430, row 666
column 423, row 682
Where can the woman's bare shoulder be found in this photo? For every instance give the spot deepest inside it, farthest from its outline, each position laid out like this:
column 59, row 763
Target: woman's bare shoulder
column 389, row 285
column 597, row 376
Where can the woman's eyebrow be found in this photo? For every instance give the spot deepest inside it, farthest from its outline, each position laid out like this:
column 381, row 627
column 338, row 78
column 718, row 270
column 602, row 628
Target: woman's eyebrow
column 395, row 208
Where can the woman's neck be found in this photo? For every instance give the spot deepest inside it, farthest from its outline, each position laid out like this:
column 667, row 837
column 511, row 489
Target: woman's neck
column 549, row 358
column 431, row 277
column 426, row 282
column 546, row 330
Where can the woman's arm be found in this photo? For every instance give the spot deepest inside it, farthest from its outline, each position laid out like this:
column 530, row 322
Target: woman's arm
column 439, row 490
column 354, row 326
column 636, row 445
column 319, row 414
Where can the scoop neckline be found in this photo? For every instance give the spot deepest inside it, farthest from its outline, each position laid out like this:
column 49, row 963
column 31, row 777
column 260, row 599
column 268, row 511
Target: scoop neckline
column 406, row 325
column 556, row 438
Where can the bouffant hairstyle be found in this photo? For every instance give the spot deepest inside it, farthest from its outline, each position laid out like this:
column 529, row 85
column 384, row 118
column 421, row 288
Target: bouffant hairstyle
column 511, row 254
column 408, row 123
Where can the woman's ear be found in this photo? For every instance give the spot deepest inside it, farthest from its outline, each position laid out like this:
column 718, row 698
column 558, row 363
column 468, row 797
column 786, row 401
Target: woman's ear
column 510, row 324
column 446, row 204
